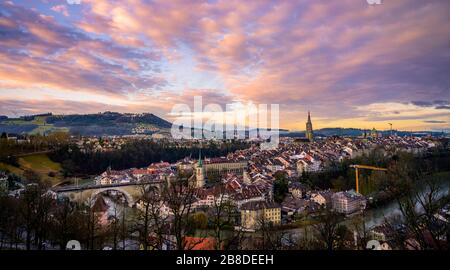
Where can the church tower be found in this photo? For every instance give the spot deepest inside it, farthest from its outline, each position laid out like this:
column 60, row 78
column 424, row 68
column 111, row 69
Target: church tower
column 309, row 129
column 199, row 172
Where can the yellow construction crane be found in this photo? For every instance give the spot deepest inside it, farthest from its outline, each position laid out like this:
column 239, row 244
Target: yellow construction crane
column 357, row 167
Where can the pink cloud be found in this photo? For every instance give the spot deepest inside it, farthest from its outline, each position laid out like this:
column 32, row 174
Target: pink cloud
column 61, row 9
column 328, row 55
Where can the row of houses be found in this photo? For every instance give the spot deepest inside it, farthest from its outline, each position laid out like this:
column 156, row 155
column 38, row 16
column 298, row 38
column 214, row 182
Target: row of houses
column 257, row 213
column 154, row 172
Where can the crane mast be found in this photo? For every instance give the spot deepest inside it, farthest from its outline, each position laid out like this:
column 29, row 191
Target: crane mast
column 357, row 167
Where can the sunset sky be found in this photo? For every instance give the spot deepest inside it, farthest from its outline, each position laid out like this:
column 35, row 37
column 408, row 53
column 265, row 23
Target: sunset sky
column 350, row 63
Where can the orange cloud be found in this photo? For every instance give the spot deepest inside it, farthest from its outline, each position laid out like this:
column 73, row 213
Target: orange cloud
column 332, row 57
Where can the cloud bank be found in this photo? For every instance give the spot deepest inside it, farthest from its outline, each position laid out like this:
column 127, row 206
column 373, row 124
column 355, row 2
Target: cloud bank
column 350, row 63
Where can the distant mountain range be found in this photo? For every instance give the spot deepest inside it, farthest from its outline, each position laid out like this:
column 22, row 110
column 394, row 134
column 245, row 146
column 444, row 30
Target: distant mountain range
column 114, row 123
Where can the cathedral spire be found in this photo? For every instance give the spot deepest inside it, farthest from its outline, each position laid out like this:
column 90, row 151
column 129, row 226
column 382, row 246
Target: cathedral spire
column 309, row 128
column 200, row 174
column 200, row 162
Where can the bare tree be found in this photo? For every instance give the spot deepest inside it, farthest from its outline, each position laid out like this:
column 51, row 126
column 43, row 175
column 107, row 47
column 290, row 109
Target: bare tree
column 114, row 229
column 418, row 193
column 358, row 225
column 180, row 196
column 418, row 212
column 151, row 221
column 29, row 203
column 222, row 216
column 328, row 229
column 117, row 231
column 69, row 221
column 236, row 241
column 142, row 222
column 306, row 241
column 93, row 229
column 271, row 237
column 43, row 220
column 124, row 228
column 10, row 229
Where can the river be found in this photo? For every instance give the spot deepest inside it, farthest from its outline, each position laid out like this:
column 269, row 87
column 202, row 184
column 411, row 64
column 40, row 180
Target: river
column 374, row 216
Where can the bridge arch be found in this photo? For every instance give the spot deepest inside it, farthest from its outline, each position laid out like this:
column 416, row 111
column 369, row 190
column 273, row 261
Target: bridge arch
column 131, row 192
column 128, row 197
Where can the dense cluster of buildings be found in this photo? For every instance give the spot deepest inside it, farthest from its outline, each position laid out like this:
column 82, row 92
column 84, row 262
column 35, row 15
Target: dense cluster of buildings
column 162, row 171
column 100, row 144
column 246, row 177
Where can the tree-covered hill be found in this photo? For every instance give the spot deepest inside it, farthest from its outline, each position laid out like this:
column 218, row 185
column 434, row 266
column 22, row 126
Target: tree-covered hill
column 100, row 124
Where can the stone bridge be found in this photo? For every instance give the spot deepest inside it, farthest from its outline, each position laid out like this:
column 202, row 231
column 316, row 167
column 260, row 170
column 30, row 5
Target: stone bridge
column 85, row 194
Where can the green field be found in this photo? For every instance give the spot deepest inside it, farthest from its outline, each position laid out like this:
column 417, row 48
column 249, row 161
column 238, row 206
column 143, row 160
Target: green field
column 39, row 120
column 46, row 129
column 42, row 126
column 40, row 164
column 12, row 169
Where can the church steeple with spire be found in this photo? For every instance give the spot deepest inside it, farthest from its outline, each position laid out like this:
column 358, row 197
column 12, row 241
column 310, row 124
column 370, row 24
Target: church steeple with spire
column 309, row 129
column 199, row 172
column 200, row 162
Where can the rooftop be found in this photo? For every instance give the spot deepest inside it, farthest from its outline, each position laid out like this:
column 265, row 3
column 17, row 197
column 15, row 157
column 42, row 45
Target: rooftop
column 259, row 205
